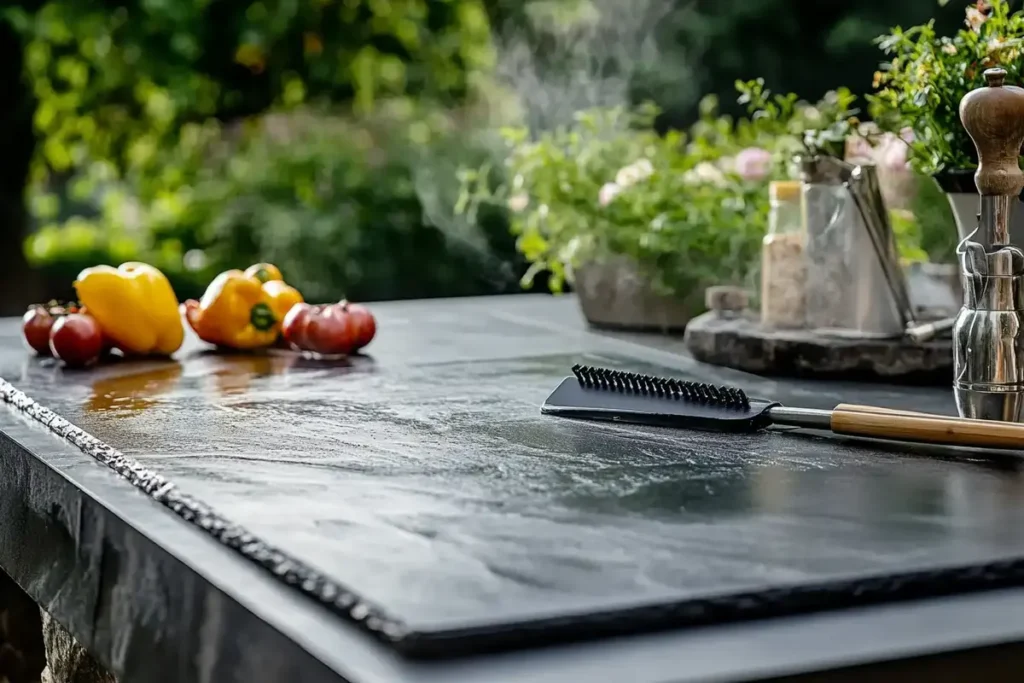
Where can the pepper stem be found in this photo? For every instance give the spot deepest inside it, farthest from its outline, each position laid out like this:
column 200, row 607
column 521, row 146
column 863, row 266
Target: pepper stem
column 262, row 317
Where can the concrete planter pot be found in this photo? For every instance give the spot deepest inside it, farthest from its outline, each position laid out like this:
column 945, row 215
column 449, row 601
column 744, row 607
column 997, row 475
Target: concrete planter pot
column 964, row 200
column 935, row 289
column 613, row 294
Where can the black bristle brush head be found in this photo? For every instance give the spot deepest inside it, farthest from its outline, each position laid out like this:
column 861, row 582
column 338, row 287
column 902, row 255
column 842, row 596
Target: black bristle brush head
column 666, row 387
column 595, row 393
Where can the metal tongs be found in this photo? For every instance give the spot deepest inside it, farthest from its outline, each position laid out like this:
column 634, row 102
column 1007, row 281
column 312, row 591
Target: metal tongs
column 862, row 183
column 873, row 268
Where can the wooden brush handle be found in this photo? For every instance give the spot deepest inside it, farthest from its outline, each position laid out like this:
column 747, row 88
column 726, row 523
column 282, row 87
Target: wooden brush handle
column 881, row 423
column 892, row 411
column 857, row 408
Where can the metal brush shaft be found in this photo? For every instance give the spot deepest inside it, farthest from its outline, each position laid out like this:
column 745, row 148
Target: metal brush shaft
column 808, row 418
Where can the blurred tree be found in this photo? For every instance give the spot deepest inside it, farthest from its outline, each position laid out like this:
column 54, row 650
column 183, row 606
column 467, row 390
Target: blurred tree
column 126, row 88
column 16, row 144
column 676, row 51
column 339, row 205
column 802, row 46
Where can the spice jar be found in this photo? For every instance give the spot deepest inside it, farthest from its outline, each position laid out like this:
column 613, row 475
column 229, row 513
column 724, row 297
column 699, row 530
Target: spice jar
column 783, row 270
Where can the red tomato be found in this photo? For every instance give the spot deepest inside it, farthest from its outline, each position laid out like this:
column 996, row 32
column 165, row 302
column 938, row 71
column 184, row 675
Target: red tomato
column 108, row 343
column 76, row 339
column 362, row 319
column 35, row 325
column 330, row 331
column 294, row 325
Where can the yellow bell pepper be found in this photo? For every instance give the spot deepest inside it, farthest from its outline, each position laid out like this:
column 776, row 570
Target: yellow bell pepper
column 235, row 311
column 135, row 307
column 282, row 297
column 264, row 272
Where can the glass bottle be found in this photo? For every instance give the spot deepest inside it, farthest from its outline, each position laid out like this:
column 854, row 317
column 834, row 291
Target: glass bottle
column 783, row 270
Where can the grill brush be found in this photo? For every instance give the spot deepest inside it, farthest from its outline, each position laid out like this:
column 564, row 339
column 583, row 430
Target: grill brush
column 605, row 394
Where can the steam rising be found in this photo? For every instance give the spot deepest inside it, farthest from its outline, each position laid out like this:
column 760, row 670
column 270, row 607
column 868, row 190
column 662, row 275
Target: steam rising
column 567, row 57
column 590, row 55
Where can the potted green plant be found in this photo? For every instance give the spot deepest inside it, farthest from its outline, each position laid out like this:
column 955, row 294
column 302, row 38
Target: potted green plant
column 920, row 87
column 641, row 223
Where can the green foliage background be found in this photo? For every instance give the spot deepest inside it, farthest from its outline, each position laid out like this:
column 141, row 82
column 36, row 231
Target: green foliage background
column 124, row 106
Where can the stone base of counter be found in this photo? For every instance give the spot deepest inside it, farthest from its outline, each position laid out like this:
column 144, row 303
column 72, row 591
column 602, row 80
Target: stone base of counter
column 66, row 660
column 36, row 649
column 743, row 344
column 21, row 644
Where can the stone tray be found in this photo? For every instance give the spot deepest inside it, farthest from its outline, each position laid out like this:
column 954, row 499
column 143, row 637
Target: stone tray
column 742, row 344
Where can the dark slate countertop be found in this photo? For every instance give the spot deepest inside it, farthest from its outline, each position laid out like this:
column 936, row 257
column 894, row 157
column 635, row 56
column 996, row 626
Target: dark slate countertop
column 424, row 480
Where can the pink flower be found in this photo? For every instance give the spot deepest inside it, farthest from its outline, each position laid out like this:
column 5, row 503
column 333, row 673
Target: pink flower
column 753, row 163
column 892, row 152
column 907, row 135
column 608, row 193
column 858, row 149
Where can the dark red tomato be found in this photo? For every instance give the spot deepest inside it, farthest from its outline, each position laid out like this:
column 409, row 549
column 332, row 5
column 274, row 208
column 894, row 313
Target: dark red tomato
column 364, row 323
column 76, row 339
column 330, row 331
column 36, row 325
column 108, row 343
column 293, row 327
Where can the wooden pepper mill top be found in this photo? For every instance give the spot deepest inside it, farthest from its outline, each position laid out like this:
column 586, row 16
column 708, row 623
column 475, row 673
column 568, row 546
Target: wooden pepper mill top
column 994, row 118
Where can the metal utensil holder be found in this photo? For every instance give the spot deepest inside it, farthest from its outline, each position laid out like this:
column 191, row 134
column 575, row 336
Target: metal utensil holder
column 988, row 346
column 855, row 286
column 988, row 343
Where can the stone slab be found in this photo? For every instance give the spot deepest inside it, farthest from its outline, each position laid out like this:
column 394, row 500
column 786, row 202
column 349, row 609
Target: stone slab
column 741, row 343
column 425, row 480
